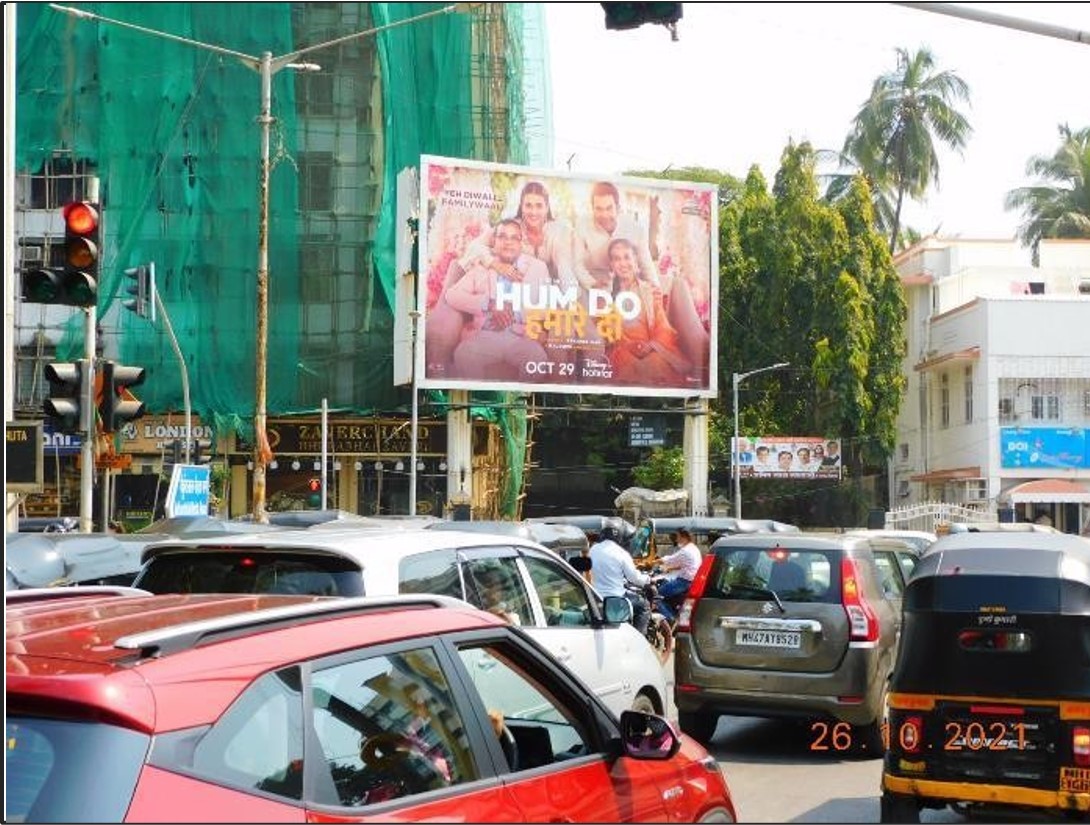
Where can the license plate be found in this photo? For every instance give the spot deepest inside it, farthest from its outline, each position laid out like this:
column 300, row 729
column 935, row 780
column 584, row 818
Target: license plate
column 1075, row 780
column 768, row 638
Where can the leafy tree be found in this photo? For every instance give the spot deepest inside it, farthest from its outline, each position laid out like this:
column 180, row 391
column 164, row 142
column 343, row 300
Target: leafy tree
column 811, row 283
column 1059, row 205
column 664, row 469
column 893, row 136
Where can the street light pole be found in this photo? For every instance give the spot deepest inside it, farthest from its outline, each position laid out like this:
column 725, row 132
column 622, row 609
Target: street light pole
column 267, row 66
column 736, row 379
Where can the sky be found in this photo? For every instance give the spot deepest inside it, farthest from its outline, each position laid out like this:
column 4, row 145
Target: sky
column 743, row 79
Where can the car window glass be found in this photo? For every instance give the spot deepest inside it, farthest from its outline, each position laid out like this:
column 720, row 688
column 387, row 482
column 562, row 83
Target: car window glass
column 433, row 572
column 208, row 571
column 496, row 585
column 258, row 743
column 796, row 576
column 888, row 575
column 388, row 728
column 545, row 728
column 908, row 564
column 562, row 597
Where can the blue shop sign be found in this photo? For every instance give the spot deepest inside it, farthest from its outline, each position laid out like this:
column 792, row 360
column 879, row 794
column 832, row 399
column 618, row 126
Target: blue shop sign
column 1043, row 447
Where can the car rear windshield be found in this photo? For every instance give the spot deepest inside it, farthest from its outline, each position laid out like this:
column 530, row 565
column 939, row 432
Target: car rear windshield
column 794, row 575
column 215, row 571
column 70, row 771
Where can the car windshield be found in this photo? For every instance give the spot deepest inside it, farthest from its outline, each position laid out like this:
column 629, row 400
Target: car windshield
column 49, row 778
column 211, row 571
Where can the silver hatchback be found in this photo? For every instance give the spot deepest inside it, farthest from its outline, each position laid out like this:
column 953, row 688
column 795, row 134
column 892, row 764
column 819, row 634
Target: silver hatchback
column 800, row 626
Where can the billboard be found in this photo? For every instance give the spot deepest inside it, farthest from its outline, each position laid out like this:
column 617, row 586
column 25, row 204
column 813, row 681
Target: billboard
column 543, row 281
column 788, row 457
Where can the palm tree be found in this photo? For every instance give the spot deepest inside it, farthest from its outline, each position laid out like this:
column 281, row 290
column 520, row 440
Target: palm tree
column 1059, row 207
column 893, row 136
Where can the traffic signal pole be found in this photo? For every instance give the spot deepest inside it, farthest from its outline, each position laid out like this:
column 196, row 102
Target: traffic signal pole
column 87, row 405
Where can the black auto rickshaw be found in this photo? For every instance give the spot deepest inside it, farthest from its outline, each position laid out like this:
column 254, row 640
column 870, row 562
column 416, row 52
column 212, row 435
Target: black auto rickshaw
column 989, row 703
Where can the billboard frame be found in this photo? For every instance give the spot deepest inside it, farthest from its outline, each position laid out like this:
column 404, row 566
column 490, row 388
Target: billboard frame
column 462, row 200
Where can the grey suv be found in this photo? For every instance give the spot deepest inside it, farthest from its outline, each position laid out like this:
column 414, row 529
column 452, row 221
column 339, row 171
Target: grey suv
column 801, row 626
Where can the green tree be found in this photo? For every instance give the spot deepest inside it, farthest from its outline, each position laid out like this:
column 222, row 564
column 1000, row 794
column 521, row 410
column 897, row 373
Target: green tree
column 664, row 469
column 811, row 283
column 1059, row 205
column 893, row 136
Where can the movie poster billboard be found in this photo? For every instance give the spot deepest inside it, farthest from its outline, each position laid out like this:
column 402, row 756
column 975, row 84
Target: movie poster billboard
column 788, row 457
column 542, row 281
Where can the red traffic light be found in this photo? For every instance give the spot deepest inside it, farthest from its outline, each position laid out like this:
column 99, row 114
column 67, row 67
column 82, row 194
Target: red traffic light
column 315, row 485
column 80, row 217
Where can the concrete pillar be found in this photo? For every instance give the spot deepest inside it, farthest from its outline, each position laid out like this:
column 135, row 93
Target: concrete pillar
column 696, row 456
column 459, row 449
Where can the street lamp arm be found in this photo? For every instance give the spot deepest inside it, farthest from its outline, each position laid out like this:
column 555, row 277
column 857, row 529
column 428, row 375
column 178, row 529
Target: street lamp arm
column 249, row 60
column 740, row 377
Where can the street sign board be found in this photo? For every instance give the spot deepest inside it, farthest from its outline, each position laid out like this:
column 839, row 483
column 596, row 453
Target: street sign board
column 23, row 463
column 190, row 486
column 647, row 431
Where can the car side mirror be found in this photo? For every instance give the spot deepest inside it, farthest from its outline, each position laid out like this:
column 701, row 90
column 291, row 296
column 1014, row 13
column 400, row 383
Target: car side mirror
column 617, row 609
column 647, row 736
column 580, row 563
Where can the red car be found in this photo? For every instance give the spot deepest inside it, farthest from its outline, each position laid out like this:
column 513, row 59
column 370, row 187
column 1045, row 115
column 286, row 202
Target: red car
column 124, row 706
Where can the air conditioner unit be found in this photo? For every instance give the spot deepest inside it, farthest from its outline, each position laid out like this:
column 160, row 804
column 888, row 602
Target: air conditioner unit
column 33, row 254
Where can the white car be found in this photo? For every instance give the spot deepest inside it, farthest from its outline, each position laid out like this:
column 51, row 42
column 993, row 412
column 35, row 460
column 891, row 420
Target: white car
column 509, row 575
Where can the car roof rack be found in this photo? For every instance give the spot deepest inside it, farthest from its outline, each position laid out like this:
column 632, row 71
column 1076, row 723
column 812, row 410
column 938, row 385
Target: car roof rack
column 43, row 594
column 191, row 634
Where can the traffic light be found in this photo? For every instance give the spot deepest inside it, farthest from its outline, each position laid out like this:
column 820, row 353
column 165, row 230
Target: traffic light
column 315, row 487
column 143, row 290
column 202, row 451
column 65, row 402
column 115, row 408
column 621, row 16
column 75, row 282
column 176, row 451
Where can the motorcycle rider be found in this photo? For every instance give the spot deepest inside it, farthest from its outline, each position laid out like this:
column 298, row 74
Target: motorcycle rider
column 611, row 567
column 686, row 561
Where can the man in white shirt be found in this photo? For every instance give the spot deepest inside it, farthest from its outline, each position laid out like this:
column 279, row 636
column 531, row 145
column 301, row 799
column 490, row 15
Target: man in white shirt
column 610, row 567
column 686, row 560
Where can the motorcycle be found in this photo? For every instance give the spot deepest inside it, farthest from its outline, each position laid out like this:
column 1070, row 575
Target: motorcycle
column 660, row 629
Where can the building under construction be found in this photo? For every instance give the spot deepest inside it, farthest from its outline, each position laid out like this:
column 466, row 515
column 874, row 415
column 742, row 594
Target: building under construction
column 154, row 104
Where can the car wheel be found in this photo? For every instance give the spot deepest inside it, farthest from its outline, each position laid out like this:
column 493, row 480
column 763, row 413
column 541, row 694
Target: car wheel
column 700, row 726
column 898, row 808
column 644, row 703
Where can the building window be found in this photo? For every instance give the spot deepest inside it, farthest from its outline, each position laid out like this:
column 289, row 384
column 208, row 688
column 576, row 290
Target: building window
column 944, row 400
column 316, row 268
column 316, row 181
column 1086, row 403
column 904, row 451
column 315, row 91
column 61, row 179
column 1006, row 410
column 969, row 395
column 1045, row 408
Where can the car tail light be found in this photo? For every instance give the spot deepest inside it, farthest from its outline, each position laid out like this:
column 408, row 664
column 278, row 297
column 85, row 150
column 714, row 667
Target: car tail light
column 696, row 590
column 910, row 734
column 1080, row 745
column 861, row 618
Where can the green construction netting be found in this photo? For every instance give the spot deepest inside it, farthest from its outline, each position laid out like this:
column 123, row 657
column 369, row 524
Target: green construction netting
column 172, row 131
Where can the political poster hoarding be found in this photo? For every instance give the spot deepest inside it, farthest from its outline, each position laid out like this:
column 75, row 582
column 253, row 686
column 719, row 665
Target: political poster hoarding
column 534, row 280
column 788, row 457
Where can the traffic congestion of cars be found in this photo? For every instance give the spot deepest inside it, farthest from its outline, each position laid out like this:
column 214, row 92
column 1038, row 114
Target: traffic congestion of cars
column 363, row 669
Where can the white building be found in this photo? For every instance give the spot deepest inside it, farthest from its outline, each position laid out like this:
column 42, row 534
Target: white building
column 997, row 406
